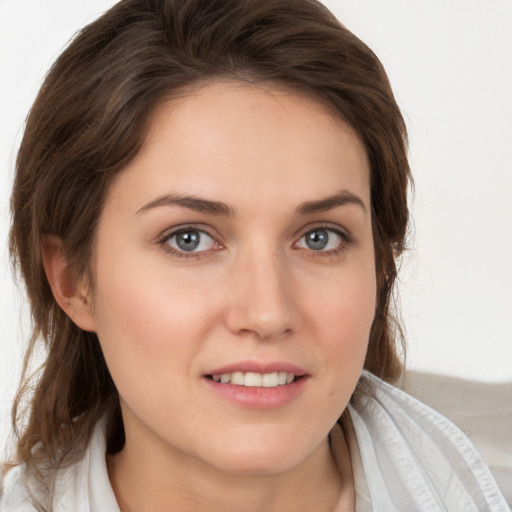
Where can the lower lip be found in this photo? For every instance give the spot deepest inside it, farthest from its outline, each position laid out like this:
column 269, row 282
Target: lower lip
column 259, row 397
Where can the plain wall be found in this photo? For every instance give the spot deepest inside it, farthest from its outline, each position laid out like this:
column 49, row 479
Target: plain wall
column 450, row 66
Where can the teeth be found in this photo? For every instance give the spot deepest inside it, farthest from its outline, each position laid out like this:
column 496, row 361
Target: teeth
column 270, row 380
column 281, row 376
column 252, row 380
column 237, row 378
column 257, row 380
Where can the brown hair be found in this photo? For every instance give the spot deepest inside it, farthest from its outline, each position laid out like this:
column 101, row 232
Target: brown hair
column 90, row 119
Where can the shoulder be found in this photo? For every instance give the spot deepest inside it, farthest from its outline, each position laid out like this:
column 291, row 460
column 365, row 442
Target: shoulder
column 59, row 491
column 15, row 492
column 411, row 455
column 82, row 486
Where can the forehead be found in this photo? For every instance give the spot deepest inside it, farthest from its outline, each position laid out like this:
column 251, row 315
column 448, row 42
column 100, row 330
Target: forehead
column 228, row 137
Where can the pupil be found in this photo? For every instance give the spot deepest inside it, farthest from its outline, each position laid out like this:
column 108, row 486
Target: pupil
column 188, row 240
column 317, row 240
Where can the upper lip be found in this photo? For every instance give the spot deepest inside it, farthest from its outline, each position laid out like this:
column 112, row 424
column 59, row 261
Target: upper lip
column 259, row 367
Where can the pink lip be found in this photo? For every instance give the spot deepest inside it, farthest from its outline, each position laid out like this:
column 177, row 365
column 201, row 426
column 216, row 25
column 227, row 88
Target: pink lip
column 259, row 367
column 258, row 397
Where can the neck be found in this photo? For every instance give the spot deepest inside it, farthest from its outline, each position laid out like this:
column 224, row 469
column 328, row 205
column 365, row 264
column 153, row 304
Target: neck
column 145, row 482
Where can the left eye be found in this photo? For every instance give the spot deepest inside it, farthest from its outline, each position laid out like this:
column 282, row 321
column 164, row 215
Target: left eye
column 190, row 240
column 321, row 239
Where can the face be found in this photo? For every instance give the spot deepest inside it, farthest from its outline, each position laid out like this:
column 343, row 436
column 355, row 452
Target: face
column 235, row 278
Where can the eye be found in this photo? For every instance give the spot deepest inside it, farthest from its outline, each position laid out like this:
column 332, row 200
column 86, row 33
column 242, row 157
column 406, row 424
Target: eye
column 190, row 241
column 321, row 239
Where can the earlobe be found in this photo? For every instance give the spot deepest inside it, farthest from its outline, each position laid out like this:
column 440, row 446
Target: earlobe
column 70, row 293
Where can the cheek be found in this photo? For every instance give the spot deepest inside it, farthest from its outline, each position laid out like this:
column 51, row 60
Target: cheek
column 342, row 312
column 345, row 304
column 148, row 307
column 148, row 338
column 346, row 331
column 152, row 323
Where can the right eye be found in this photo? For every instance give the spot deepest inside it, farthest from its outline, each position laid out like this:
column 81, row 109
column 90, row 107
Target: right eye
column 190, row 241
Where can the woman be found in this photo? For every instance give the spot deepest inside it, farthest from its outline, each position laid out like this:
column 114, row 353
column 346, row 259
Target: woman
column 209, row 201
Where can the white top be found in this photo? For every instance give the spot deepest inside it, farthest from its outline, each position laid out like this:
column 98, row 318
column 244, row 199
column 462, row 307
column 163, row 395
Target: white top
column 405, row 457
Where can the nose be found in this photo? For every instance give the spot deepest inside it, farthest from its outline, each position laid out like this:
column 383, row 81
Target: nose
column 261, row 297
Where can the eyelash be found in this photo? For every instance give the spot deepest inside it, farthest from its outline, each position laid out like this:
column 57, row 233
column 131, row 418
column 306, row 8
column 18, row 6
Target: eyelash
column 346, row 240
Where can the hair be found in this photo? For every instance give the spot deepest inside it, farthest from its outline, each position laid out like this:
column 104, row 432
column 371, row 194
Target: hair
column 89, row 121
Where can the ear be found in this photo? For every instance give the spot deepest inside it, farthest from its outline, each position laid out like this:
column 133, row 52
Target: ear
column 71, row 293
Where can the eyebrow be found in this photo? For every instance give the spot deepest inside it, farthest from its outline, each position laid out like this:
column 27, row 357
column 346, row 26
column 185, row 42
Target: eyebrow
column 190, row 202
column 197, row 204
column 342, row 198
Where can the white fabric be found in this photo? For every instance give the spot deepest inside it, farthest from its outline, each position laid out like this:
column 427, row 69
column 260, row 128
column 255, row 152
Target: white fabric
column 405, row 458
column 414, row 459
column 81, row 487
column 483, row 411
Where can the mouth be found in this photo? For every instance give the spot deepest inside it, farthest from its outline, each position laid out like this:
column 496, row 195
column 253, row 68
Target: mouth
column 258, row 385
column 255, row 380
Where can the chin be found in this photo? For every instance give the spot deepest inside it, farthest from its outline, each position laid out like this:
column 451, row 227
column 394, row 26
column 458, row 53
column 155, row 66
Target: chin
column 261, row 454
column 254, row 462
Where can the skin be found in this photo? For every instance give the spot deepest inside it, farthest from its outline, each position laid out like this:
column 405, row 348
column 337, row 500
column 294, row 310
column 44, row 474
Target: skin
column 254, row 290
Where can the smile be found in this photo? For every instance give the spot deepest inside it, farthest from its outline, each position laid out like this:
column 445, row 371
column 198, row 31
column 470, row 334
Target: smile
column 255, row 380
